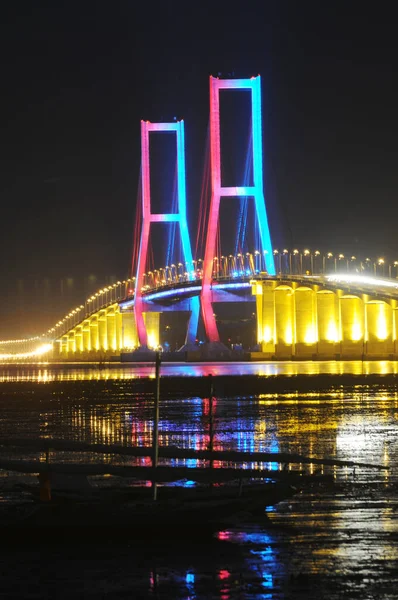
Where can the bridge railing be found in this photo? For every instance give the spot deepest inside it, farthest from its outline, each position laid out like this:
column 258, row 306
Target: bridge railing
column 293, row 262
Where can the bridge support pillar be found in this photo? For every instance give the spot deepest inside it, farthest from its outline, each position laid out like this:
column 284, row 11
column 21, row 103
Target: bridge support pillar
column 57, row 349
column 79, row 339
column 152, row 325
column 118, row 332
column 193, row 320
column 64, row 345
column 111, row 330
column 305, row 312
column 102, row 331
column 86, row 336
column 284, row 321
column 71, row 343
column 352, row 326
column 327, row 323
column 265, row 309
column 294, row 320
column 379, row 328
column 94, row 343
column 129, row 337
column 395, row 326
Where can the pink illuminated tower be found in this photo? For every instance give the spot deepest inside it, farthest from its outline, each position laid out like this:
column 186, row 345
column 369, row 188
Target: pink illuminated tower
column 256, row 191
column 148, row 217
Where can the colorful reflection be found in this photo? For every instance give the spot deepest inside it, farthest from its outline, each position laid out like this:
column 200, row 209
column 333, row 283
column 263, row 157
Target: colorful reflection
column 335, row 538
column 45, row 373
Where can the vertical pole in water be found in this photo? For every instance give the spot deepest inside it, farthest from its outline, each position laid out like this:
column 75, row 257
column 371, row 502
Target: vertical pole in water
column 211, row 429
column 155, row 445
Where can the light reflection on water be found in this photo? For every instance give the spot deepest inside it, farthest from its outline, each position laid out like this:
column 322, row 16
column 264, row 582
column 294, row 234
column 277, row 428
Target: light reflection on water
column 116, row 371
column 322, row 544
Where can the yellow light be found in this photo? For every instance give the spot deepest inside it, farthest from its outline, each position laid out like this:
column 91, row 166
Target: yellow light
column 356, row 333
column 267, row 334
column 288, row 334
column 331, row 332
column 152, row 340
column 43, row 349
column 381, row 323
column 310, row 335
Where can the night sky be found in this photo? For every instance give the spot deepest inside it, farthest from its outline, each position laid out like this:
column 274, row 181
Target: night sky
column 77, row 77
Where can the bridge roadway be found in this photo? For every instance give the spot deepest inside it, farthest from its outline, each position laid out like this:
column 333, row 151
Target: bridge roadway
column 223, row 287
column 338, row 315
column 298, row 316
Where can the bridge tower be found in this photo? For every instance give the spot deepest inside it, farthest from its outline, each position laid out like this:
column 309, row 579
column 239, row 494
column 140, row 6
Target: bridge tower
column 148, row 218
column 256, row 191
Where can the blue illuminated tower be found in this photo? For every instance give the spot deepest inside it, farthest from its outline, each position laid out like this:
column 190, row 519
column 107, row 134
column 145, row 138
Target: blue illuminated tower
column 218, row 191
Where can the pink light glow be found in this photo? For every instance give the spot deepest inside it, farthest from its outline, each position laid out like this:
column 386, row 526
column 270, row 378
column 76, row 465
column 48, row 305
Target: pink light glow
column 224, row 574
column 254, row 85
column 148, row 217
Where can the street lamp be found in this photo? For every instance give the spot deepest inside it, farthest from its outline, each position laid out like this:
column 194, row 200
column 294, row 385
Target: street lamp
column 215, row 267
column 287, row 259
column 316, row 261
column 241, row 261
column 175, row 273
column 380, row 262
column 341, row 257
column 296, row 254
column 306, row 254
column 367, row 265
column 276, row 254
column 257, row 261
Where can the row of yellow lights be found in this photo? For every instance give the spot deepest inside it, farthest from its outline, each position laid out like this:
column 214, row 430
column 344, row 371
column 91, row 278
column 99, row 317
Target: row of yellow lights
column 72, row 313
column 101, row 292
column 40, row 351
column 21, row 341
column 307, row 252
column 92, row 298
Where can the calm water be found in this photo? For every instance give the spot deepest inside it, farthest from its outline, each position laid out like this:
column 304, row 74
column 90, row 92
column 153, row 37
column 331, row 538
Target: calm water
column 322, row 544
column 45, row 372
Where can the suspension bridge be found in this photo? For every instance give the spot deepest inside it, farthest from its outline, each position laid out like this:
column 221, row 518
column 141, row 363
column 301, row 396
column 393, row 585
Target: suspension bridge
column 307, row 304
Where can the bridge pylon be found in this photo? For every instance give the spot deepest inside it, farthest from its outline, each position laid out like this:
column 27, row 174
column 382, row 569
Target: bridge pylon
column 148, row 217
column 256, row 190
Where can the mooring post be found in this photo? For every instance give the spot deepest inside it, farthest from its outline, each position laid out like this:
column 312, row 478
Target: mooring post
column 155, row 444
column 211, row 424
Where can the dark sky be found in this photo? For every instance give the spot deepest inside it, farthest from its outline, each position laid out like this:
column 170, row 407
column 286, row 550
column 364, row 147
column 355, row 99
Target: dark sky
column 77, row 77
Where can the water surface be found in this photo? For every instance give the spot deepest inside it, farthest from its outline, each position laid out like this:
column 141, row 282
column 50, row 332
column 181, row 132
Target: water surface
column 324, row 543
column 46, row 372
